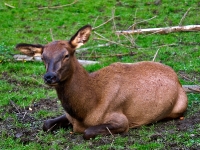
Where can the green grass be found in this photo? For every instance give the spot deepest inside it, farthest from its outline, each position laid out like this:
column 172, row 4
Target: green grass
column 22, row 82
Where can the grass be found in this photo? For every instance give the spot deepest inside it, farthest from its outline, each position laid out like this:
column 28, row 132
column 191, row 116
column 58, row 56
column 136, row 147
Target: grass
column 22, row 82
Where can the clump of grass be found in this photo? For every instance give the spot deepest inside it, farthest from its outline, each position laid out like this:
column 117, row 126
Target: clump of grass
column 22, row 82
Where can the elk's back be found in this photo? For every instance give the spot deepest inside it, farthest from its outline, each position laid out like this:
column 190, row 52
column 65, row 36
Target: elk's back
column 145, row 92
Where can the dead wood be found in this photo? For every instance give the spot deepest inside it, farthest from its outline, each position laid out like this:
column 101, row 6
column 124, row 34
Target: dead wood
column 191, row 88
column 38, row 58
column 161, row 30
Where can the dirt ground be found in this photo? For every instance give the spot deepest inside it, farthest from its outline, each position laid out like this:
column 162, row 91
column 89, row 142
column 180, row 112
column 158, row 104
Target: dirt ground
column 26, row 116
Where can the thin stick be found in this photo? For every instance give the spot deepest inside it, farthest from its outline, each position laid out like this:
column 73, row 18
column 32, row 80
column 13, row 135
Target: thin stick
column 180, row 24
column 111, row 55
column 136, row 13
column 135, row 18
column 102, row 23
column 142, row 21
column 95, row 20
column 113, row 42
column 24, row 115
column 13, row 104
column 130, row 39
column 54, row 7
column 110, row 132
column 105, row 39
column 155, row 55
column 6, row 4
column 111, row 135
column 39, row 82
column 113, row 16
column 51, row 34
column 185, row 77
column 99, row 45
column 51, row 128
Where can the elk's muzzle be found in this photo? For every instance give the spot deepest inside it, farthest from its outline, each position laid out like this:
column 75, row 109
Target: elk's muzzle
column 50, row 78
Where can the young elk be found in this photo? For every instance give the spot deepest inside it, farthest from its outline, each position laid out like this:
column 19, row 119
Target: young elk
column 113, row 99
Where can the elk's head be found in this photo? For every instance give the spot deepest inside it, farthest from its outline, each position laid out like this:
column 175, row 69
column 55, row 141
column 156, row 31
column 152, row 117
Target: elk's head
column 58, row 56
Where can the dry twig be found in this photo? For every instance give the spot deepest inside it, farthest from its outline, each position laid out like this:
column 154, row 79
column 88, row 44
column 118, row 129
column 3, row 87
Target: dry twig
column 113, row 16
column 51, row 128
column 51, row 34
column 132, row 26
column 40, row 83
column 110, row 132
column 111, row 135
column 105, row 39
column 13, row 104
column 6, row 4
column 155, row 55
column 102, row 23
column 99, row 45
column 111, row 55
column 95, row 20
column 54, row 7
column 180, row 24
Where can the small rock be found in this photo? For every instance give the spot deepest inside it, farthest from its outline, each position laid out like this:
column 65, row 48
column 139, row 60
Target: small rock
column 158, row 2
column 18, row 135
column 192, row 135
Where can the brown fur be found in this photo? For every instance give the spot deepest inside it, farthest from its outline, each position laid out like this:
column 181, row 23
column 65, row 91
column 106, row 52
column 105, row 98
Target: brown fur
column 118, row 97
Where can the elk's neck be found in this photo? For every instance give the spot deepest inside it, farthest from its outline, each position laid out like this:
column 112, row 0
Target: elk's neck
column 76, row 94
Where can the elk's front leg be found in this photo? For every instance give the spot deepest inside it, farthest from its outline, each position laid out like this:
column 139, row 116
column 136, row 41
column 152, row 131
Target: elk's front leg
column 59, row 122
column 118, row 124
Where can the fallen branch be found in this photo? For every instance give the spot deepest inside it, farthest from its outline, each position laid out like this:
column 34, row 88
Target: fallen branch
column 87, row 62
column 38, row 58
column 54, row 7
column 162, row 30
column 191, row 88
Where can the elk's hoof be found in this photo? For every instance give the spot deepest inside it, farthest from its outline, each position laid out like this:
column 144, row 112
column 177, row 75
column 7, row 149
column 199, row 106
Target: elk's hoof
column 89, row 134
column 47, row 126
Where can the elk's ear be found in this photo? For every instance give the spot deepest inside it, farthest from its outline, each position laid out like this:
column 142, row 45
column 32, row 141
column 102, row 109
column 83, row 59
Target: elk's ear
column 30, row 49
column 81, row 36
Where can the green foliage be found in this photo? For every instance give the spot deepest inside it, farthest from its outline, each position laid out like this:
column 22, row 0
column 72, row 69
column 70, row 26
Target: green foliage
column 22, row 82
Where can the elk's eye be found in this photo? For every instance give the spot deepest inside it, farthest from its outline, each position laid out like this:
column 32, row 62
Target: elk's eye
column 66, row 56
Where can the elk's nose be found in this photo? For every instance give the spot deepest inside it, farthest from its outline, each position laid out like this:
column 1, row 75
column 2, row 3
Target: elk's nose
column 50, row 77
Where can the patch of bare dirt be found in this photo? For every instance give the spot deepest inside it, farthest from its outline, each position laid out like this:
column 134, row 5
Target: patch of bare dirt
column 25, row 123
column 26, row 116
